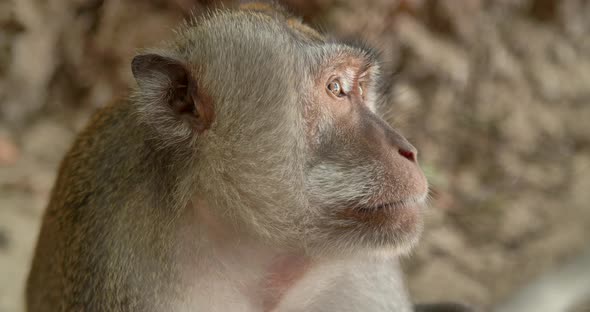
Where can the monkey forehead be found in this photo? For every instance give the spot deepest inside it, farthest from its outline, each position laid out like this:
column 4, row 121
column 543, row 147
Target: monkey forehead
column 243, row 46
column 234, row 49
column 256, row 38
column 331, row 55
column 250, row 36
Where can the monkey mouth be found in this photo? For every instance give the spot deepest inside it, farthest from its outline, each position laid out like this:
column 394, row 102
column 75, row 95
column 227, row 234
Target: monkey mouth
column 386, row 213
column 381, row 207
column 392, row 206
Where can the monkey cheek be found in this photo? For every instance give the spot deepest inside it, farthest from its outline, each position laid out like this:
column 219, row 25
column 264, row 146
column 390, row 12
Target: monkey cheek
column 389, row 218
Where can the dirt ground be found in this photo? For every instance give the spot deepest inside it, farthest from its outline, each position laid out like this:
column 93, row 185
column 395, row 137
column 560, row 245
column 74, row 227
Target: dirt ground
column 495, row 94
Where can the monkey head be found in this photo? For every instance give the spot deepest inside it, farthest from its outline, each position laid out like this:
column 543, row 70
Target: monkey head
column 279, row 135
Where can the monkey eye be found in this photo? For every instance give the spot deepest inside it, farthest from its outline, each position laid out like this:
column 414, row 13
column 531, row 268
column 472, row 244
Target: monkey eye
column 335, row 88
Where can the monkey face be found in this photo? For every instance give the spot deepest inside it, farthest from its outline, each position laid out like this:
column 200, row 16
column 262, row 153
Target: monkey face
column 363, row 177
column 279, row 134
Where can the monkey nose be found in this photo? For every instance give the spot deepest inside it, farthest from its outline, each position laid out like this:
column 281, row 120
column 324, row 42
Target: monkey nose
column 408, row 154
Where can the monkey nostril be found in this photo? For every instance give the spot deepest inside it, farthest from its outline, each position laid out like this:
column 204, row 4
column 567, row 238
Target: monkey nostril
column 411, row 156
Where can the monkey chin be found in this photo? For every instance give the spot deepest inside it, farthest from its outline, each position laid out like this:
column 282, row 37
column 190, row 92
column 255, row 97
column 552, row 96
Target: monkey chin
column 388, row 229
column 393, row 225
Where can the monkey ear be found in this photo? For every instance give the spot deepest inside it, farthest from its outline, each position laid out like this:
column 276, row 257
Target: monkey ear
column 166, row 81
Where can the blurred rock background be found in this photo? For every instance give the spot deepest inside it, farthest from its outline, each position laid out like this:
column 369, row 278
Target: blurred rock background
column 494, row 93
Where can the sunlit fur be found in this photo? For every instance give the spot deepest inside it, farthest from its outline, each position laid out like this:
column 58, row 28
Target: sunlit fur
column 149, row 214
column 271, row 197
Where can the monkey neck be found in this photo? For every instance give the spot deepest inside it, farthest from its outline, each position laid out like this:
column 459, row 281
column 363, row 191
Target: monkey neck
column 220, row 258
column 282, row 274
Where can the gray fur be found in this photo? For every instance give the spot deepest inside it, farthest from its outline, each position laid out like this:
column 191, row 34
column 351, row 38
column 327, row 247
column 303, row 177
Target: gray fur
column 125, row 229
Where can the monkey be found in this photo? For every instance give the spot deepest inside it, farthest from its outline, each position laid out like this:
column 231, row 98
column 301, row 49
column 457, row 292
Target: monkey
column 248, row 170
